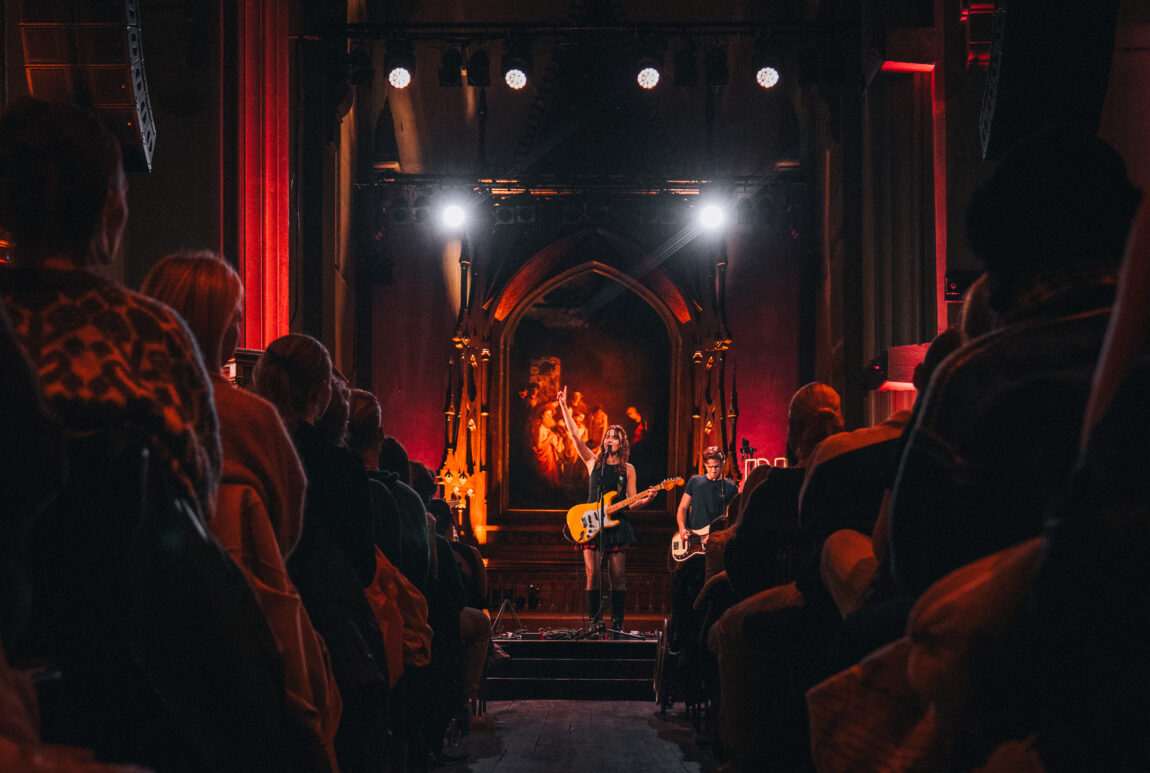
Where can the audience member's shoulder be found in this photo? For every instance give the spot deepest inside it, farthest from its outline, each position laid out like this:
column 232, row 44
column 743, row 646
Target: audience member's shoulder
column 845, row 442
column 233, row 401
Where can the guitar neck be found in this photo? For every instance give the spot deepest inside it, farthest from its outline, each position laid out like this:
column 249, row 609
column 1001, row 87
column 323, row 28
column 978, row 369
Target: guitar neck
column 620, row 505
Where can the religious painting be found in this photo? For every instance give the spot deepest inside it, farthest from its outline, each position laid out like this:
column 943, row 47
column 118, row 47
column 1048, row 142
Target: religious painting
column 611, row 350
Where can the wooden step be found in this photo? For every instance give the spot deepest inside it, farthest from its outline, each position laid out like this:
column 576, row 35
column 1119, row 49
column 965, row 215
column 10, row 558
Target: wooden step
column 584, row 669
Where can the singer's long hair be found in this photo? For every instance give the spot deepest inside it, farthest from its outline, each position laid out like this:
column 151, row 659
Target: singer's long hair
column 624, row 446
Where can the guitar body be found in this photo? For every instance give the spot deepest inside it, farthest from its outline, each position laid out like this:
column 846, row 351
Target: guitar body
column 695, row 544
column 585, row 521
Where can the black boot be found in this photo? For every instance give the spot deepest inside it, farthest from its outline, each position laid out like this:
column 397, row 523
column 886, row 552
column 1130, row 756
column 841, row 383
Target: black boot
column 594, row 602
column 618, row 606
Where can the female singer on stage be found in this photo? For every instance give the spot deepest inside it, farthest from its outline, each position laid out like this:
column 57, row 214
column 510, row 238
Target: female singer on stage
column 607, row 471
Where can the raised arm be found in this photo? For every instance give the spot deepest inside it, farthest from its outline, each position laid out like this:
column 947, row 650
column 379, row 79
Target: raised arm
column 585, row 453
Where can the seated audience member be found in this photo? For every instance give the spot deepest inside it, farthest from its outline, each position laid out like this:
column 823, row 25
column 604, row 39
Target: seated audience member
column 769, row 520
column 63, row 201
column 295, row 374
column 1028, row 659
column 423, row 481
column 474, row 625
column 395, row 472
column 31, row 471
column 364, row 439
column 853, row 563
column 997, row 434
column 259, row 513
column 345, row 481
column 167, row 658
column 769, row 523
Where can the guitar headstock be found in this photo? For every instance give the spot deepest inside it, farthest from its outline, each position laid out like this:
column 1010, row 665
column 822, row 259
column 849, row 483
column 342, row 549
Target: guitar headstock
column 669, row 484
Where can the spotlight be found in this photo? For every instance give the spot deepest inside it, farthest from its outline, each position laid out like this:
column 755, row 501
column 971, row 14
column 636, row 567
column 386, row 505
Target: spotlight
column 453, row 217
column 715, row 67
column 712, row 217
column 479, row 69
column 517, row 65
column 450, row 64
column 399, row 61
column 767, row 67
column 648, row 77
column 686, row 67
column 647, row 70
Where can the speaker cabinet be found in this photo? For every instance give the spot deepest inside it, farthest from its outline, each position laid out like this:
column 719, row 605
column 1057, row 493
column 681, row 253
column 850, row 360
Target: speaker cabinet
column 1049, row 68
column 90, row 52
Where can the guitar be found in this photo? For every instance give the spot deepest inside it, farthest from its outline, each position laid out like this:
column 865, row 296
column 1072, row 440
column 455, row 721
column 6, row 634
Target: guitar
column 695, row 544
column 585, row 521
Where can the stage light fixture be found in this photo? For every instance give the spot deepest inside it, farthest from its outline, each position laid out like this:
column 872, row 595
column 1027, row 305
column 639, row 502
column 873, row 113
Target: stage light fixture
column 421, row 208
column 768, row 69
column 479, row 69
column 399, row 61
column 453, row 217
column 399, row 211
column 450, row 68
column 744, row 212
column 648, row 69
column 517, row 65
column 715, row 67
column 686, row 67
column 712, row 217
column 648, row 76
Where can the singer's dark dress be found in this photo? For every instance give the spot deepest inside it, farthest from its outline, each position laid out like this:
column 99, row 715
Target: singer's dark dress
column 613, row 478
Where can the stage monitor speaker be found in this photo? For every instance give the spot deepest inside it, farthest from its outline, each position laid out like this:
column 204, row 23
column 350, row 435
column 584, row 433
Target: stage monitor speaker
column 90, row 52
column 1049, row 68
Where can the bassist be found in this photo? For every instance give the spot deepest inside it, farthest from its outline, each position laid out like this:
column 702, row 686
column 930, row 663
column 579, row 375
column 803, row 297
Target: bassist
column 706, row 496
column 607, row 471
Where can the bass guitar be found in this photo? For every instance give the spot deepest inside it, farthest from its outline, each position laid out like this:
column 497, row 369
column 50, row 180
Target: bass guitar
column 695, row 544
column 585, row 521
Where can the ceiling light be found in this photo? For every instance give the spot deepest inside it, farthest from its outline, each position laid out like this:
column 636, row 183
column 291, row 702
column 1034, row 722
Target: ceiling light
column 650, row 62
column 767, row 67
column 712, row 217
column 517, row 65
column 453, row 217
column 648, row 77
column 399, row 61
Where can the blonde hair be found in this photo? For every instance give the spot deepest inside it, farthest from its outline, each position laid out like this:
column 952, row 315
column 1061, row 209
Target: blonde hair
column 204, row 290
column 815, row 414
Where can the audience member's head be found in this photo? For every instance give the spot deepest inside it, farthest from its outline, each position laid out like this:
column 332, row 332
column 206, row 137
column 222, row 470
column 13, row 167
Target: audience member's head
column 333, row 423
column 207, row 293
column 1055, row 200
column 976, row 318
column 365, row 426
column 63, row 195
column 815, row 414
column 940, row 348
column 393, row 458
column 423, row 481
column 440, row 510
column 294, row 375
